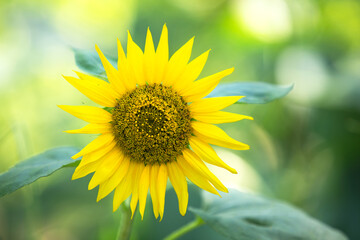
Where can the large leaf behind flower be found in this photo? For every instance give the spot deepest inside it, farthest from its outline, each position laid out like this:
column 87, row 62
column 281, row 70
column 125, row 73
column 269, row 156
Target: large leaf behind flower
column 89, row 62
column 36, row 167
column 254, row 92
column 247, row 217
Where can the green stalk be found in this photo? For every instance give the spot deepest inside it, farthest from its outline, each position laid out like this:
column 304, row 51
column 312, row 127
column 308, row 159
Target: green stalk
column 197, row 222
column 124, row 230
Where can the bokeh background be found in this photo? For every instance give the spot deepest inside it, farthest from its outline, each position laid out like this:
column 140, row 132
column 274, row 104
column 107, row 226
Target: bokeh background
column 304, row 147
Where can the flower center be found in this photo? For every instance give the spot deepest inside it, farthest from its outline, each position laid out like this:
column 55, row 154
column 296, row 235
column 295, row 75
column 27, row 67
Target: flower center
column 151, row 124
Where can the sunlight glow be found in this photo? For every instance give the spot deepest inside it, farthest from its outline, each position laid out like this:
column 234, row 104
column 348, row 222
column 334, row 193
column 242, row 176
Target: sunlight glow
column 267, row 20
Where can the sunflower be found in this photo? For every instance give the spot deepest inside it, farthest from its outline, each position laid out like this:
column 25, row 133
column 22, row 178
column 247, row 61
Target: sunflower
column 155, row 125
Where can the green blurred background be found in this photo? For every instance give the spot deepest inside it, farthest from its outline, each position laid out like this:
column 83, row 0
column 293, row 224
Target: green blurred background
column 304, row 148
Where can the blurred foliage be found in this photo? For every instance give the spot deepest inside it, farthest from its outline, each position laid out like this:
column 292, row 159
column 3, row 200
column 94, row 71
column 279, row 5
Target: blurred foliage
column 246, row 217
column 41, row 165
column 304, row 148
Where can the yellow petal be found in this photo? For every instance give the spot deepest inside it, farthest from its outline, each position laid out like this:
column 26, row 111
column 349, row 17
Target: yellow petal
column 135, row 187
column 92, row 79
column 178, row 180
column 95, row 155
column 196, row 163
column 204, row 86
column 135, row 61
column 161, row 188
column 82, row 171
column 191, row 72
column 207, row 153
column 214, row 135
column 178, row 63
column 96, row 81
column 88, row 113
column 121, row 56
column 123, row 190
column 161, row 56
column 219, row 117
column 123, row 69
column 109, row 163
column 108, row 186
column 143, row 189
column 111, row 73
column 195, row 176
column 97, row 90
column 149, row 58
column 93, row 128
column 98, row 143
column 213, row 104
column 153, row 191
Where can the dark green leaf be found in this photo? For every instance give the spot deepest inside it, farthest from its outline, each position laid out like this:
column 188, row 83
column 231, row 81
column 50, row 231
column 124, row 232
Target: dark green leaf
column 89, row 62
column 254, row 92
column 247, row 217
column 73, row 164
column 36, row 167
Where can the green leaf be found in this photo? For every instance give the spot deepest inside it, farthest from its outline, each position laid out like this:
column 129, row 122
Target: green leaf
column 254, row 92
column 36, row 167
column 247, row 217
column 89, row 62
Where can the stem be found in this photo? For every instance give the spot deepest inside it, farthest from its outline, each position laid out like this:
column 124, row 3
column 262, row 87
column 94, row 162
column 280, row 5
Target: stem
column 124, row 230
column 197, row 222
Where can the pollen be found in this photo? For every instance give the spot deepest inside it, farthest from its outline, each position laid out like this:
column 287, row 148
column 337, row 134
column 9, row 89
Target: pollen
column 152, row 124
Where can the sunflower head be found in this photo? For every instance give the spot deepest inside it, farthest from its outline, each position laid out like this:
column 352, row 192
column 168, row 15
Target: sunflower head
column 157, row 125
column 151, row 124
